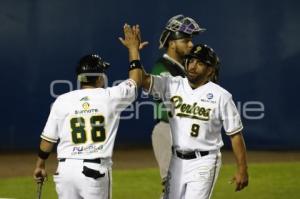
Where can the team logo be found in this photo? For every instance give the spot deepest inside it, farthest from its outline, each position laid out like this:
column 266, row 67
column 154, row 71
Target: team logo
column 193, row 111
column 209, row 96
column 198, row 49
column 85, row 106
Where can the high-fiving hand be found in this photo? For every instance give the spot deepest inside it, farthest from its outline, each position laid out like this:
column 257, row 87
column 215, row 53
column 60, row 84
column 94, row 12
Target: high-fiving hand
column 132, row 37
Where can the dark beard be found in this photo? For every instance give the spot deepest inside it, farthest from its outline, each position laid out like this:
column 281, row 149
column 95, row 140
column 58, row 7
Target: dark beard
column 195, row 82
column 196, row 79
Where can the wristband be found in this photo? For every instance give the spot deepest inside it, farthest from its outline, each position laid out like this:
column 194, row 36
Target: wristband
column 43, row 155
column 135, row 64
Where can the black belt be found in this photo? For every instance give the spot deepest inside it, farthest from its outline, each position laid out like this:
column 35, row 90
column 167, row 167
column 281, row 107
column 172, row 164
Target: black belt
column 188, row 155
column 97, row 160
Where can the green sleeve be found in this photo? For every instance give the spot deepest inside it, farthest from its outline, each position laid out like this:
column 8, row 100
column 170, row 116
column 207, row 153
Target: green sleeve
column 158, row 69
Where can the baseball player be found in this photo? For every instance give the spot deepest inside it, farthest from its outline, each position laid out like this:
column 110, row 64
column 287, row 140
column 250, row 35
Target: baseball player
column 198, row 109
column 84, row 122
column 176, row 39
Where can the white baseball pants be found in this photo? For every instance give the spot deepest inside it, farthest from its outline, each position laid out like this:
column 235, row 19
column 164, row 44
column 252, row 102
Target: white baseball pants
column 194, row 178
column 71, row 183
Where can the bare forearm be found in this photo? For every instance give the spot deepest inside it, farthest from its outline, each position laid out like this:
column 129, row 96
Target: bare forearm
column 139, row 76
column 46, row 147
column 39, row 173
column 134, row 54
column 135, row 74
column 40, row 163
column 239, row 150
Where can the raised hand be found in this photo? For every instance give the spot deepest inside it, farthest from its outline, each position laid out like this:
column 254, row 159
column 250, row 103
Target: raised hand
column 138, row 32
column 131, row 39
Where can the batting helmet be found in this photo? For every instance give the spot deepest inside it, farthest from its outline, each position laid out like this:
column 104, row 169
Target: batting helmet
column 89, row 66
column 179, row 27
column 205, row 54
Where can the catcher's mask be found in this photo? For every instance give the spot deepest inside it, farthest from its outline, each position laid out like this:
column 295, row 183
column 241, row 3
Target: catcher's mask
column 91, row 67
column 179, row 27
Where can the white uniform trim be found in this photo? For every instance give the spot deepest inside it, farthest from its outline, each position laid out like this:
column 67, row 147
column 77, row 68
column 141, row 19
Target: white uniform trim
column 166, row 56
column 48, row 139
column 235, row 132
column 148, row 91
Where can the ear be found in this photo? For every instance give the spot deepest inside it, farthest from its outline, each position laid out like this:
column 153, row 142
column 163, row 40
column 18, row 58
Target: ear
column 172, row 44
column 210, row 71
column 100, row 82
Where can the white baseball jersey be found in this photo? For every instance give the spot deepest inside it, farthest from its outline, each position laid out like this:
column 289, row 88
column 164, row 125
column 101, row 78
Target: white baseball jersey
column 86, row 121
column 197, row 115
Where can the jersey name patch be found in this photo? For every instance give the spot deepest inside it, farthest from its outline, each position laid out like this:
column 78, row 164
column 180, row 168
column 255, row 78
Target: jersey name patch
column 190, row 111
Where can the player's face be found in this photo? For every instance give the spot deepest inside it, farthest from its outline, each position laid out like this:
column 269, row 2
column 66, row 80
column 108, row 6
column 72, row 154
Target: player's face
column 183, row 46
column 197, row 71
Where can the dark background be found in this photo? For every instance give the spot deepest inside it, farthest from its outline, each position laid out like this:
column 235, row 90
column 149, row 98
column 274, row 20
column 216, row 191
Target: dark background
column 257, row 41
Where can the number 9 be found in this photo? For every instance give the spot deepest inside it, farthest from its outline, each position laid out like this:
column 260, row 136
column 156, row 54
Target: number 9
column 195, row 130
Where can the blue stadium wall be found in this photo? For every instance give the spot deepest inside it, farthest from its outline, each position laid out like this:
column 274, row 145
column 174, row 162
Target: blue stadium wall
column 258, row 42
